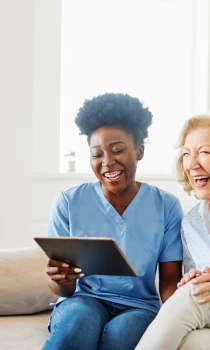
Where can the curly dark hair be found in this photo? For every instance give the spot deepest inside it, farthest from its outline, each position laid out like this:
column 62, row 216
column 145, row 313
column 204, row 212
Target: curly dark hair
column 112, row 109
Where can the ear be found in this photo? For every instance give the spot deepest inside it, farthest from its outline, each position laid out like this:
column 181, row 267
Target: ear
column 139, row 152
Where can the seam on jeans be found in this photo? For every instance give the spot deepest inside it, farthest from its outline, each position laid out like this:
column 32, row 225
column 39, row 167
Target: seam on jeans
column 103, row 335
column 56, row 313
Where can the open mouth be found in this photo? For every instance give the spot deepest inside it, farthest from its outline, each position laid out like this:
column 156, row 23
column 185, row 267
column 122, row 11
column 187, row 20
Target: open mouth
column 112, row 175
column 201, row 180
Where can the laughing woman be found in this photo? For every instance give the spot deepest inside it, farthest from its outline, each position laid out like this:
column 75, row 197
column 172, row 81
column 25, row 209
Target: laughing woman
column 112, row 312
column 184, row 320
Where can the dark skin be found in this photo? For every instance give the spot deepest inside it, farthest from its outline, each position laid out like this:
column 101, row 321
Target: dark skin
column 113, row 158
column 169, row 273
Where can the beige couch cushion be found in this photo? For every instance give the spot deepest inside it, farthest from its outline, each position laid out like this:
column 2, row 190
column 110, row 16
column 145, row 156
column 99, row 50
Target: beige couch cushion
column 23, row 288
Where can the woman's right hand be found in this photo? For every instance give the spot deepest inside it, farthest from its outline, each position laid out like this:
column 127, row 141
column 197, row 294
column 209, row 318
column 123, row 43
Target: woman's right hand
column 61, row 273
column 188, row 276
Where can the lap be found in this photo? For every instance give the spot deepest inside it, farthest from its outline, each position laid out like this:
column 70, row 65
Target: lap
column 198, row 339
column 120, row 330
column 125, row 330
column 81, row 309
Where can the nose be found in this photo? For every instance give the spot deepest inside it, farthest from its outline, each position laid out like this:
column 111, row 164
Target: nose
column 108, row 160
column 192, row 162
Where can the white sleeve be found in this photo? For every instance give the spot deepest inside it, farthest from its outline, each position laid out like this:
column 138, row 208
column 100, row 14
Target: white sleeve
column 188, row 261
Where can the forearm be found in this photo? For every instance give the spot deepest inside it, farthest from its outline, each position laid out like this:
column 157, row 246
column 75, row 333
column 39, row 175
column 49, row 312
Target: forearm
column 62, row 290
column 170, row 274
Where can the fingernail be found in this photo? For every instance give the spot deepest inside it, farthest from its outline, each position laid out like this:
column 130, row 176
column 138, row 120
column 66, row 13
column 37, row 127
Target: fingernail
column 65, row 265
column 195, row 292
column 77, row 269
column 201, row 301
column 194, row 281
column 81, row 275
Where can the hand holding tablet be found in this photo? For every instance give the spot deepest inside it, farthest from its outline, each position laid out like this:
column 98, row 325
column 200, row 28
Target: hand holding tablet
column 92, row 255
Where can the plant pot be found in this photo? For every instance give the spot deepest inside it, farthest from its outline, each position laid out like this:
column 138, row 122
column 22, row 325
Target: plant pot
column 71, row 166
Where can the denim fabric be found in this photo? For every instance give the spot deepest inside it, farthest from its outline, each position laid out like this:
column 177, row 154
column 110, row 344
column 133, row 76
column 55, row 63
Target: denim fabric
column 84, row 323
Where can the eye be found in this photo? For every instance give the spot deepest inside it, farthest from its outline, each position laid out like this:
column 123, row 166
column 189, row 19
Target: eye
column 96, row 155
column 185, row 154
column 118, row 152
column 204, row 152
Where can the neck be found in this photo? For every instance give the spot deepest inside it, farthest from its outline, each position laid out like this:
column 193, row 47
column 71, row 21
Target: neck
column 120, row 201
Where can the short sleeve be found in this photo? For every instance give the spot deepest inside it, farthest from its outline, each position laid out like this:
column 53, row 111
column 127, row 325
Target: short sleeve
column 188, row 261
column 172, row 243
column 58, row 224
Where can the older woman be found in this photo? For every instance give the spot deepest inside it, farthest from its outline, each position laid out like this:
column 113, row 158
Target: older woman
column 189, row 308
column 112, row 312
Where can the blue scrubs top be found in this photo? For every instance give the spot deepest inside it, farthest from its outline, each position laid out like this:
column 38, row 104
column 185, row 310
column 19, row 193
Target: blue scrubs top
column 147, row 232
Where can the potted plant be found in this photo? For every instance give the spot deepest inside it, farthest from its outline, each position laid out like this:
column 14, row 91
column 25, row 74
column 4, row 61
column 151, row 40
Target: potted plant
column 71, row 160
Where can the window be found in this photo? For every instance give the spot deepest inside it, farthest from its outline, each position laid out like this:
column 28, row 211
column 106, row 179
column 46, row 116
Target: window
column 150, row 49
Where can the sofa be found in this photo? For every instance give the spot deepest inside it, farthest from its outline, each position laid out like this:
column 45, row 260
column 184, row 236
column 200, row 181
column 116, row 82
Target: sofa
column 24, row 299
column 25, row 303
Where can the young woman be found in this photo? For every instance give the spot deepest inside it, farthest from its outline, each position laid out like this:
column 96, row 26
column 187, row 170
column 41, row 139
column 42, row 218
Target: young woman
column 189, row 308
column 112, row 312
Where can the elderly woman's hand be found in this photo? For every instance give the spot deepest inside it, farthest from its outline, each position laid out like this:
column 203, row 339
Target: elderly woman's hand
column 187, row 277
column 205, row 280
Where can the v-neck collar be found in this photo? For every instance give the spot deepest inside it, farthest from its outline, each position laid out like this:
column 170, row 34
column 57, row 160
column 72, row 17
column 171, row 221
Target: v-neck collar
column 112, row 212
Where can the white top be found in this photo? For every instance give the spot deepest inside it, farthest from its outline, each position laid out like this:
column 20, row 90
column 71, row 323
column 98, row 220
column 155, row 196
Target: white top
column 196, row 237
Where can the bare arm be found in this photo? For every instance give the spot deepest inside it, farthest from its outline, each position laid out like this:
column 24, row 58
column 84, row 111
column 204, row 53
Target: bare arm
column 62, row 277
column 170, row 274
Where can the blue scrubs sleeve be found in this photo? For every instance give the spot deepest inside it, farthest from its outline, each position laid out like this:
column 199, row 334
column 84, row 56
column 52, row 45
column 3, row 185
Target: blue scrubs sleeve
column 58, row 224
column 172, row 243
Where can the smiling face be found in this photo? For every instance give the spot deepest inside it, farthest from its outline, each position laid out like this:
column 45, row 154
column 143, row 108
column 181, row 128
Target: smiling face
column 113, row 158
column 196, row 161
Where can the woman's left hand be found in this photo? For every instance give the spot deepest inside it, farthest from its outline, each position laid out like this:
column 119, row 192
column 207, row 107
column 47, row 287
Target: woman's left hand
column 205, row 279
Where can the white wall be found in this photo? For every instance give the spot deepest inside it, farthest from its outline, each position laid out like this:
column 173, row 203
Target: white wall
column 16, row 59
column 29, row 110
column 46, row 85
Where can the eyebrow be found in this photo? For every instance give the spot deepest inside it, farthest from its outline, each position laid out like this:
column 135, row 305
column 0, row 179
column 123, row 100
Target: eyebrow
column 111, row 144
column 206, row 145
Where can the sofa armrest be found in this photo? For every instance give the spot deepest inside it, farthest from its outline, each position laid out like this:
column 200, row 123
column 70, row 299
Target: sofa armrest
column 23, row 288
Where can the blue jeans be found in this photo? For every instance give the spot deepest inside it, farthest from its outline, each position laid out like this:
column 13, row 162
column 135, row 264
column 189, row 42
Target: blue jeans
column 86, row 323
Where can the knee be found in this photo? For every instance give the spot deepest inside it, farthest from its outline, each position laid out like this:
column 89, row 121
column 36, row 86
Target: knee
column 181, row 300
column 196, row 339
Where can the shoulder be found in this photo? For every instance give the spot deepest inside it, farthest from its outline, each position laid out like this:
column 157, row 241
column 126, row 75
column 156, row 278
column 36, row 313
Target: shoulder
column 74, row 193
column 76, row 190
column 165, row 202
column 162, row 195
column 193, row 214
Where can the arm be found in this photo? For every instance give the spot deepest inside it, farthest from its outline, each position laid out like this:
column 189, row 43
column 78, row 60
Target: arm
column 188, row 262
column 61, row 277
column 169, row 275
column 171, row 255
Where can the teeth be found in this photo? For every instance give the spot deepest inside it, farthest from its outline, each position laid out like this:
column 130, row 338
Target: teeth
column 113, row 174
column 201, row 177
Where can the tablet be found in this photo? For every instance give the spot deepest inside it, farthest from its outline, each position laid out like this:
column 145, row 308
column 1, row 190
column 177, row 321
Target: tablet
column 93, row 255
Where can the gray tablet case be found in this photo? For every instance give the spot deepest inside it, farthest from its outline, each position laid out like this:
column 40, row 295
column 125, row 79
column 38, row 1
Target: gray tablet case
column 93, row 255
